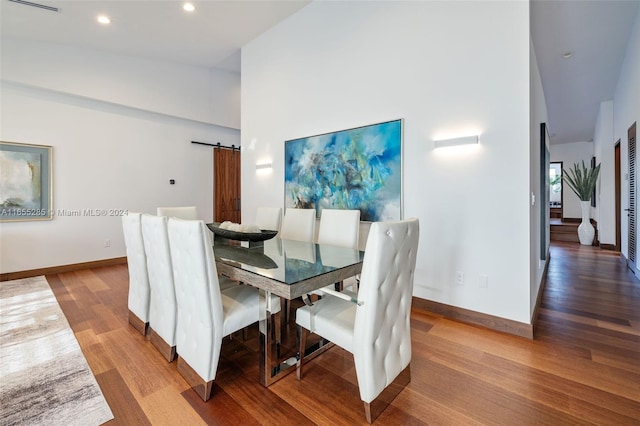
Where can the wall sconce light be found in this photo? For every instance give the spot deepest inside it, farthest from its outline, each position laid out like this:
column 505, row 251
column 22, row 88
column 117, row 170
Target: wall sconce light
column 263, row 166
column 466, row 140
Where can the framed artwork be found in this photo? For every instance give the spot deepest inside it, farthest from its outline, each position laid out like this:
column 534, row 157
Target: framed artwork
column 25, row 182
column 355, row 169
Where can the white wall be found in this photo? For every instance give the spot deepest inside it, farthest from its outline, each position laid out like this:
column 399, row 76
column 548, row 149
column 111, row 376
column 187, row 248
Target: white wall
column 105, row 155
column 627, row 111
column 438, row 65
column 603, row 146
column 539, row 242
column 178, row 90
column 570, row 154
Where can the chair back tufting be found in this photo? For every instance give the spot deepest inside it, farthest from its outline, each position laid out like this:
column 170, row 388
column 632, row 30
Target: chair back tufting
column 382, row 334
column 199, row 330
column 139, row 292
column 163, row 308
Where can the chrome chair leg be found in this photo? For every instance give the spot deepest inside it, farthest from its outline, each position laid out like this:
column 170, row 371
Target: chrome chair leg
column 302, row 338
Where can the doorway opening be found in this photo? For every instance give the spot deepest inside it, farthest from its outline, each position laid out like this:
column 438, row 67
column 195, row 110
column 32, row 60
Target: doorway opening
column 555, row 192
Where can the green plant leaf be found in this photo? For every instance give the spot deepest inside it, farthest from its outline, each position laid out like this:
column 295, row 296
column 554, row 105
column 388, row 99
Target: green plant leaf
column 582, row 181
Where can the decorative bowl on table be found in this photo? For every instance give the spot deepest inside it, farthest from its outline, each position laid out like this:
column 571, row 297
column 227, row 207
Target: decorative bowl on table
column 263, row 235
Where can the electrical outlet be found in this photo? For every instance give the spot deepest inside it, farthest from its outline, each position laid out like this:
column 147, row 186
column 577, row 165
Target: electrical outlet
column 459, row 277
column 107, row 243
column 483, row 282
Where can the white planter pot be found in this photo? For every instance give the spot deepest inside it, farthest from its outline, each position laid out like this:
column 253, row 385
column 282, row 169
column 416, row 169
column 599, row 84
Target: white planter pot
column 585, row 229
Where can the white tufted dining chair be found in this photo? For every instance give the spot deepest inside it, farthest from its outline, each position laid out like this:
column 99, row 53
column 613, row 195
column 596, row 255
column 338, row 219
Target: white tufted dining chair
column 139, row 293
column 163, row 309
column 268, row 218
column 339, row 228
column 375, row 328
column 299, row 225
column 205, row 314
column 188, row 212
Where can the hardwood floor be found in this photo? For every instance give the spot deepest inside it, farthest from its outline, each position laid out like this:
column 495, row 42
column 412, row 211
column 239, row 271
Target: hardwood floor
column 583, row 367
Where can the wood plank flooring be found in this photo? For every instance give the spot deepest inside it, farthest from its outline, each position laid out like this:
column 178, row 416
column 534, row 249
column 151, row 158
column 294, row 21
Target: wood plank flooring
column 583, row 367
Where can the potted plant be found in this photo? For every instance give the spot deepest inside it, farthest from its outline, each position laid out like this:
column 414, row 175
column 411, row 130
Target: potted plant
column 582, row 182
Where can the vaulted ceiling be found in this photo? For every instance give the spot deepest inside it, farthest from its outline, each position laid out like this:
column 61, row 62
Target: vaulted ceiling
column 209, row 36
column 594, row 33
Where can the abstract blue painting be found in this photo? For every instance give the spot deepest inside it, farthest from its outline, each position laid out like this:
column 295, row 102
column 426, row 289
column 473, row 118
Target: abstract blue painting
column 358, row 169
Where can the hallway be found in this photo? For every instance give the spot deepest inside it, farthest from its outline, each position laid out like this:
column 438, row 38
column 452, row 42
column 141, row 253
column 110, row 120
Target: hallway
column 592, row 290
column 591, row 310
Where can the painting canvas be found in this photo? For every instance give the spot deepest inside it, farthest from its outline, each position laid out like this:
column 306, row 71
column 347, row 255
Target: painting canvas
column 25, row 182
column 359, row 169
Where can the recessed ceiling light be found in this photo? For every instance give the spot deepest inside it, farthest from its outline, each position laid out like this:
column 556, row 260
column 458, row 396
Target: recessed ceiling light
column 189, row 7
column 567, row 55
column 104, row 19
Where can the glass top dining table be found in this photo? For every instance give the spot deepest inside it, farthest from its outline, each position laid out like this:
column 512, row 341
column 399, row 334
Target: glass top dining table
column 289, row 269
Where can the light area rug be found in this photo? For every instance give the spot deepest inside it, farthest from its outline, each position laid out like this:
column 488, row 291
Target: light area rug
column 44, row 377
